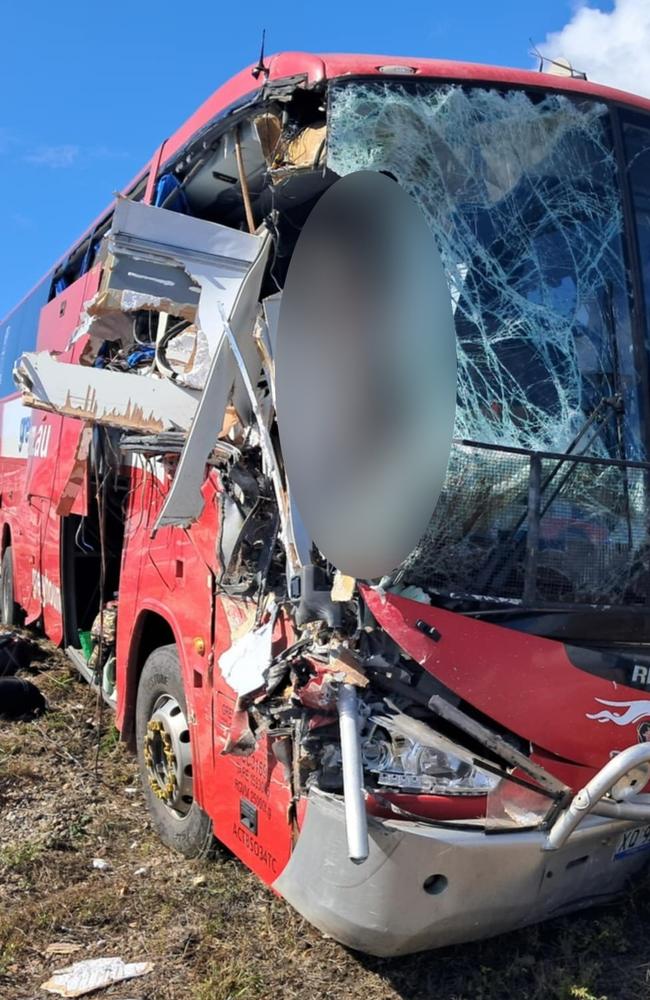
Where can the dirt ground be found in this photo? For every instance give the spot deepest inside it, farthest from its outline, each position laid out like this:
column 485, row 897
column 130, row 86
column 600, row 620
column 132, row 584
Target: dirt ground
column 69, row 794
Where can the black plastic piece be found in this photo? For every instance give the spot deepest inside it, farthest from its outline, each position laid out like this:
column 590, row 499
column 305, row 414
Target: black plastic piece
column 310, row 590
column 430, row 631
column 248, row 816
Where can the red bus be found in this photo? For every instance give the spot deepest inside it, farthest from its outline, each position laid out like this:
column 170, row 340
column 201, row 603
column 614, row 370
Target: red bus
column 416, row 745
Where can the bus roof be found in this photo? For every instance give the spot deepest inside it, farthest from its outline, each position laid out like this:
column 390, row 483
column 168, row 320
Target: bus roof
column 316, row 67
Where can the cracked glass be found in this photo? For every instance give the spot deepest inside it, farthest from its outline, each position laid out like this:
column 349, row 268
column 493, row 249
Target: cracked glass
column 521, row 193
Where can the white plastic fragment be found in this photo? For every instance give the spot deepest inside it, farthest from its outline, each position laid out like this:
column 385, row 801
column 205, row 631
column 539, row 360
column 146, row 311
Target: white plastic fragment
column 93, row 974
column 101, row 865
column 411, row 592
column 243, row 665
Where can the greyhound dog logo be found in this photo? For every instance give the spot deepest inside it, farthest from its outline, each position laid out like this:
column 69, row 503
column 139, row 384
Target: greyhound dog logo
column 633, row 711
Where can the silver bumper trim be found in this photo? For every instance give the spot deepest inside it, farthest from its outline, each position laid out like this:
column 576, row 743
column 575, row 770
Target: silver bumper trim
column 591, row 798
column 426, row 886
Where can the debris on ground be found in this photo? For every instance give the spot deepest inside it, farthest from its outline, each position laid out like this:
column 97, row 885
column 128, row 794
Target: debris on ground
column 93, row 974
column 62, row 948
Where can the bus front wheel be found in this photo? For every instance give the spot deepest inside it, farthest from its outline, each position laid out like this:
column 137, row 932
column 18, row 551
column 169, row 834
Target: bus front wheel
column 165, row 757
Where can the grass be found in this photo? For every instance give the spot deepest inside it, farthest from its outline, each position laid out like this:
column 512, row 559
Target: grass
column 20, row 857
column 211, row 930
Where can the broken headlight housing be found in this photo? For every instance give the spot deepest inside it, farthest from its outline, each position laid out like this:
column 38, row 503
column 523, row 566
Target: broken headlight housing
column 405, row 765
column 409, row 766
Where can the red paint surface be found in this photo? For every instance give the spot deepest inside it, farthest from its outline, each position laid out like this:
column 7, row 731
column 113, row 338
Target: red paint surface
column 525, row 683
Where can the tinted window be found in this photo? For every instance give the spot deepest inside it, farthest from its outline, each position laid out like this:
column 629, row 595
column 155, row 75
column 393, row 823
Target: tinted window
column 18, row 333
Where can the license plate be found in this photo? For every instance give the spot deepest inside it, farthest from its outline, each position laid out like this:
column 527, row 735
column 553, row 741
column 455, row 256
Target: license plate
column 632, row 841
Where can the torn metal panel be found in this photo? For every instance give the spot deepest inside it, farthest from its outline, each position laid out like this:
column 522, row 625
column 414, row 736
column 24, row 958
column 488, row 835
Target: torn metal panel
column 75, row 480
column 162, row 261
column 271, row 306
column 144, row 229
column 104, row 397
column 497, row 744
column 167, row 263
column 184, row 501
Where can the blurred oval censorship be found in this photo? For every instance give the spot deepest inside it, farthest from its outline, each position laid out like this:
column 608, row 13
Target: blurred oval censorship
column 366, row 374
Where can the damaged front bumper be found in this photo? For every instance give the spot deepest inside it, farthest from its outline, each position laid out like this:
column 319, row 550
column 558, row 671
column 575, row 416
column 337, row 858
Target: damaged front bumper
column 426, row 886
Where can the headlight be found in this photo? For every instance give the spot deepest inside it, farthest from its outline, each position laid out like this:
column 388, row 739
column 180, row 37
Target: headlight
column 405, row 764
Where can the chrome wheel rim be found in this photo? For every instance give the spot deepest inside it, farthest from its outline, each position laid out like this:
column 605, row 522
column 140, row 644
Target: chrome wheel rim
column 168, row 756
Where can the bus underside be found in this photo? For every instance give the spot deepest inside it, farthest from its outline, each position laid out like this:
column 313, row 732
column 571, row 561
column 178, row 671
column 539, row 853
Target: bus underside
column 464, row 734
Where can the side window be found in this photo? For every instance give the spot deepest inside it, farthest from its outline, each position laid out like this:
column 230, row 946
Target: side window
column 82, row 258
column 77, row 264
column 18, row 333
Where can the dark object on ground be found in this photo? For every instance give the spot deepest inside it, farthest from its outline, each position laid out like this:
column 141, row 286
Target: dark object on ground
column 20, row 699
column 16, row 654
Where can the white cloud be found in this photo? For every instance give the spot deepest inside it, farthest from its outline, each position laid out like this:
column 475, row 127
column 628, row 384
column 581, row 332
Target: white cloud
column 7, row 140
column 53, row 156
column 21, row 221
column 69, row 155
column 106, row 153
column 612, row 48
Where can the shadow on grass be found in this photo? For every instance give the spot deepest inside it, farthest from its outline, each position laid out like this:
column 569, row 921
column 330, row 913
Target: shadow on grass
column 600, row 953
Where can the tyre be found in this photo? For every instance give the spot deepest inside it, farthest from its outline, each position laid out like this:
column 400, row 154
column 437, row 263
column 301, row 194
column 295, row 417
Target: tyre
column 8, row 607
column 165, row 757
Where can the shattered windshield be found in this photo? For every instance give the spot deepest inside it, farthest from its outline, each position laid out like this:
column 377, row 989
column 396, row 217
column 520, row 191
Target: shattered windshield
column 521, row 193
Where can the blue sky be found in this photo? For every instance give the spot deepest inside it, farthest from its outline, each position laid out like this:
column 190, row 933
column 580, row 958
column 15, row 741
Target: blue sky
column 89, row 90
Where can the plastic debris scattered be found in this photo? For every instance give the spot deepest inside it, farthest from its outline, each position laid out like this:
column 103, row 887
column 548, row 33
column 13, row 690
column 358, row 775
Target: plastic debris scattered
column 93, row 974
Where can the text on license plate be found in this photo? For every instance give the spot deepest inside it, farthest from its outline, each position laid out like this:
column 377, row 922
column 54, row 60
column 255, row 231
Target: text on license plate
column 637, row 839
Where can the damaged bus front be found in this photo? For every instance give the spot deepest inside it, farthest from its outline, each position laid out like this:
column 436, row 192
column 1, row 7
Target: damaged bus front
column 509, row 648
column 379, row 342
